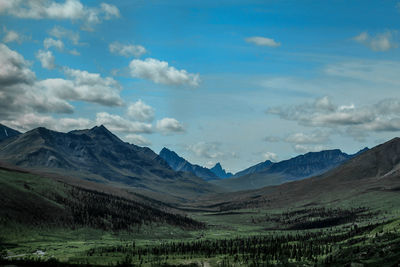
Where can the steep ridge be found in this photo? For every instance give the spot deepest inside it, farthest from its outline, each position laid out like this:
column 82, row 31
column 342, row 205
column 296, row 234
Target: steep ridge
column 178, row 163
column 6, row 132
column 97, row 154
column 221, row 173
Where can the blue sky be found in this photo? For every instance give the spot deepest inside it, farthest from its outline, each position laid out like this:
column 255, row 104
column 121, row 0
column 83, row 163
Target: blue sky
column 236, row 82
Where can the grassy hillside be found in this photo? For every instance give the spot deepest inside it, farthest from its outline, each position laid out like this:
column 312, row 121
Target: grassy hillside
column 38, row 201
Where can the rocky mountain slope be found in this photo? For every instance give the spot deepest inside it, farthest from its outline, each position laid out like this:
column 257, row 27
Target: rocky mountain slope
column 98, row 155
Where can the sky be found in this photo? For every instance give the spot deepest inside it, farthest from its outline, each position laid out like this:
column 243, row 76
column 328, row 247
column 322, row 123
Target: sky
column 235, row 82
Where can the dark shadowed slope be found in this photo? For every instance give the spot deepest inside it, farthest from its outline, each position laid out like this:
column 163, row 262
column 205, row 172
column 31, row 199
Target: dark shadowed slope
column 97, row 154
column 300, row 167
column 6, row 132
column 375, row 172
column 180, row 164
column 34, row 200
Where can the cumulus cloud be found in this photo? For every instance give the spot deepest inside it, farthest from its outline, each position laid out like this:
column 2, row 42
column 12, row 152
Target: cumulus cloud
column 110, row 11
column 380, row 42
column 380, row 117
column 316, row 137
column 22, row 93
column 14, row 68
column 169, row 125
column 126, row 50
column 13, row 36
column 270, row 156
column 68, row 9
column 206, row 150
column 262, row 41
column 50, row 42
column 61, row 33
column 118, row 124
column 28, row 121
column 137, row 139
column 86, row 86
column 160, row 72
column 46, row 58
column 140, row 111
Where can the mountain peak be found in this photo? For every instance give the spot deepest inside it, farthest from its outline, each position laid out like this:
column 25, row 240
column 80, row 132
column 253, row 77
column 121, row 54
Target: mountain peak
column 166, row 150
column 217, row 166
column 218, row 171
column 100, row 128
column 40, row 130
column 6, row 132
column 178, row 163
column 169, row 153
column 102, row 131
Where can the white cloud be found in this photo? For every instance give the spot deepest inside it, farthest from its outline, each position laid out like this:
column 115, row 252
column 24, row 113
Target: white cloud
column 13, row 36
column 140, row 111
column 380, row 42
column 380, row 117
column 118, row 124
column 46, row 58
column 28, row 121
column 169, row 125
column 60, row 33
column 262, row 41
column 159, row 72
column 50, row 42
column 127, row 50
column 206, row 150
column 14, row 68
column 316, row 137
column 89, row 87
column 69, row 9
column 110, row 11
column 22, row 93
column 137, row 139
column 270, row 156
column 68, row 124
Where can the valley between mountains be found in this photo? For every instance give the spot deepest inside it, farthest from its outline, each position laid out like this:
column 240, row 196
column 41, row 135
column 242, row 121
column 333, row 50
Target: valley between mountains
column 87, row 198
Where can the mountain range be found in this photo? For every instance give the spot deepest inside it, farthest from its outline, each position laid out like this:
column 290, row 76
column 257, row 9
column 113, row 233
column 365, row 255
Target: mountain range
column 178, row 163
column 98, row 155
column 300, row 167
column 371, row 175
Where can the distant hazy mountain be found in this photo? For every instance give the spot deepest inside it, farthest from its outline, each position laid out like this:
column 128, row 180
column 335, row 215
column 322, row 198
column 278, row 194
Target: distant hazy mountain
column 221, row 173
column 367, row 176
column 300, row 167
column 97, row 154
column 6, row 132
column 178, row 163
column 256, row 168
